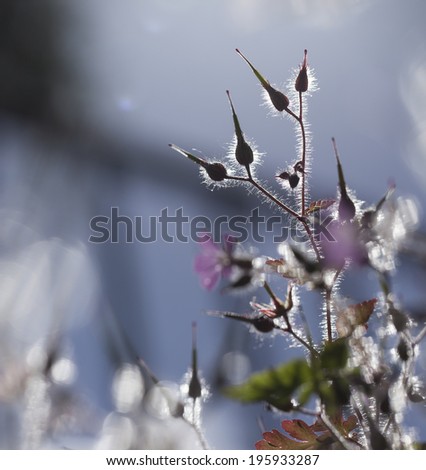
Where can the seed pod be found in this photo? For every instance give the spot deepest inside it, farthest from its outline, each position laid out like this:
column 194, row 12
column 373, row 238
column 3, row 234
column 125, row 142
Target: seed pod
column 194, row 390
column 404, row 350
column 278, row 99
column 346, row 208
column 216, row 171
column 243, row 151
column 263, row 324
column 294, row 180
column 302, row 82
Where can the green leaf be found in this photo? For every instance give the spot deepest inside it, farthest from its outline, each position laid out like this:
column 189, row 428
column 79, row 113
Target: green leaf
column 276, row 386
column 335, row 355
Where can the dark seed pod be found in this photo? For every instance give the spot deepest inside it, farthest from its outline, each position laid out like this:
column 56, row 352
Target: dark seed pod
column 294, row 180
column 278, row 99
column 244, row 153
column 284, row 175
column 404, row 350
column 298, row 167
column 302, row 82
column 194, row 389
column 263, row 324
column 216, row 171
column 346, row 208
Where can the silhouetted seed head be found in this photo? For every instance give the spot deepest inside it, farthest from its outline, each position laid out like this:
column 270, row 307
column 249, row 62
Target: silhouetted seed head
column 194, row 389
column 216, row 171
column 293, row 178
column 278, row 99
column 284, row 175
column 346, row 208
column 404, row 351
column 243, row 151
column 263, row 324
column 302, row 82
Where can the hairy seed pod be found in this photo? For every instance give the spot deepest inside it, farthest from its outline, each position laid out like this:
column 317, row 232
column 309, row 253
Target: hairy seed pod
column 293, row 180
column 216, row 171
column 263, row 324
column 278, row 99
column 244, row 153
column 302, row 82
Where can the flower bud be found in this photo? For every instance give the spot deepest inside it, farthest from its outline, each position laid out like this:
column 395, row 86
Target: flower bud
column 278, row 99
column 302, row 82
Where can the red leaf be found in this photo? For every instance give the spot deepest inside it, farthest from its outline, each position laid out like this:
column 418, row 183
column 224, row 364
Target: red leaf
column 315, row 206
column 305, row 437
column 298, row 429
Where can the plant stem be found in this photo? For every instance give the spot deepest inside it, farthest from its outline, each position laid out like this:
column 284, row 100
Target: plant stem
column 283, row 206
column 299, row 120
column 302, row 130
column 328, row 291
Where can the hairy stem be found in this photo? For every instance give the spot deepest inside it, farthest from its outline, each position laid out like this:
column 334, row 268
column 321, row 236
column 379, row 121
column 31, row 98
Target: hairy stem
column 283, row 206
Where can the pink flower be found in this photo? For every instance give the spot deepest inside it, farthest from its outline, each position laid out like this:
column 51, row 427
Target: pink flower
column 215, row 260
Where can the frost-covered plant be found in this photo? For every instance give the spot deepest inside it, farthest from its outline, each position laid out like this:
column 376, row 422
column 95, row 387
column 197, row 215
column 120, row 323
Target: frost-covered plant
column 354, row 386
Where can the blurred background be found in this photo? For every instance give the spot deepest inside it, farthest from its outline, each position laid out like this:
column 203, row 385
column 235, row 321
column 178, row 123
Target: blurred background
column 91, row 93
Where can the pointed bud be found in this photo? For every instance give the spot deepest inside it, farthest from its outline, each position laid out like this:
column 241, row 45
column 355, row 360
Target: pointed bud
column 243, row 151
column 284, row 175
column 216, row 171
column 346, row 206
column 302, row 82
column 194, row 390
column 261, row 323
column 278, row 99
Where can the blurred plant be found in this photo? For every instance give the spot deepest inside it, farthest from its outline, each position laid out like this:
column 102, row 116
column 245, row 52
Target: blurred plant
column 355, row 387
